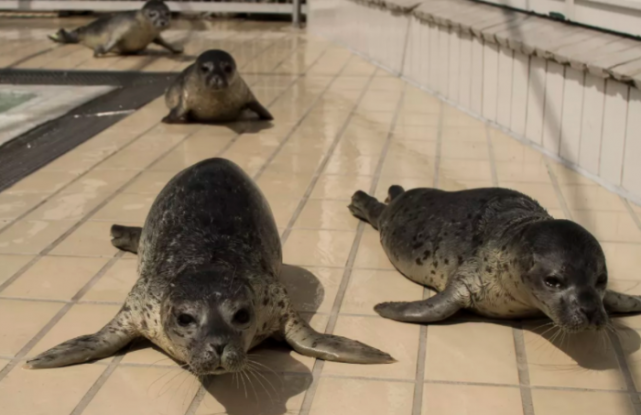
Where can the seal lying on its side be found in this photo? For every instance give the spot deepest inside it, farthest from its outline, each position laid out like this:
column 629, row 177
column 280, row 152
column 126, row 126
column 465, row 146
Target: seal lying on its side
column 126, row 32
column 211, row 90
column 209, row 289
column 493, row 251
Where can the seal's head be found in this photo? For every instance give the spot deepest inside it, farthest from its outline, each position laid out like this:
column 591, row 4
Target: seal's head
column 210, row 320
column 564, row 268
column 158, row 14
column 216, row 68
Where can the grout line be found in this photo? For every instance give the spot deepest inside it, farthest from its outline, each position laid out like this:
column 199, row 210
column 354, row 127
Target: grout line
column 490, row 150
column 197, row 400
column 524, row 374
column 57, row 317
column 98, row 384
column 340, row 295
column 625, row 372
column 421, row 358
column 557, row 190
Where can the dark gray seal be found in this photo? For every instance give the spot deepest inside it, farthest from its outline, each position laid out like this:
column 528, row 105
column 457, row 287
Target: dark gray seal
column 125, row 32
column 495, row 252
column 209, row 290
column 211, row 90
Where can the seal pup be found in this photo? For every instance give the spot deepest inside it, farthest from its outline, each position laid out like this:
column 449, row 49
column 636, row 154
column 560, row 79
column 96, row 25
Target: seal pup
column 126, row 32
column 209, row 263
column 495, row 252
column 211, row 90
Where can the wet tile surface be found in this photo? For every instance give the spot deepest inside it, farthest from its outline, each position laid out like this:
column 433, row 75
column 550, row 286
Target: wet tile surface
column 341, row 125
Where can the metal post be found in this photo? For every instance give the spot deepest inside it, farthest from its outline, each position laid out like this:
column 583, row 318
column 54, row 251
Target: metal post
column 296, row 13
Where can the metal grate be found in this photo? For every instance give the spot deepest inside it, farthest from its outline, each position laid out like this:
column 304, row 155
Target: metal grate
column 45, row 143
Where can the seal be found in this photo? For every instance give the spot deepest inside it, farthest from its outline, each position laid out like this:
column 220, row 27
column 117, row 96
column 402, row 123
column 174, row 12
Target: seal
column 209, row 290
column 495, row 252
column 211, row 90
column 126, row 32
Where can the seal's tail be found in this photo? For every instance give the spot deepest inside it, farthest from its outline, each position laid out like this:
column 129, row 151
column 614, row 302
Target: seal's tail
column 62, row 36
column 366, row 207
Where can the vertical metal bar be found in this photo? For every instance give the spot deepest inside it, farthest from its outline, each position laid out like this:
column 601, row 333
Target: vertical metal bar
column 296, row 13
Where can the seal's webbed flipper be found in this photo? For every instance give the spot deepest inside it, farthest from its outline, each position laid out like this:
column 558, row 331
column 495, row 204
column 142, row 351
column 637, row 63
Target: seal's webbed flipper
column 126, row 238
column 162, row 42
column 393, row 192
column 433, row 309
column 366, row 207
column 62, row 36
column 262, row 112
column 307, row 341
column 615, row 302
column 177, row 115
column 114, row 336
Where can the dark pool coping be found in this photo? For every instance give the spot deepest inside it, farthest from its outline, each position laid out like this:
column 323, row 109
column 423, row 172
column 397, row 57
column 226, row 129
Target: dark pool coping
column 34, row 149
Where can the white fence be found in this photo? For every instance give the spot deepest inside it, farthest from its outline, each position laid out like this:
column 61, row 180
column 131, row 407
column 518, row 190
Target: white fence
column 622, row 16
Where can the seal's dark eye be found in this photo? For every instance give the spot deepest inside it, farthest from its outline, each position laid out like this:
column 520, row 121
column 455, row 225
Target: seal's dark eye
column 602, row 280
column 185, row 320
column 153, row 14
column 553, row 282
column 204, row 68
column 241, row 316
column 228, row 69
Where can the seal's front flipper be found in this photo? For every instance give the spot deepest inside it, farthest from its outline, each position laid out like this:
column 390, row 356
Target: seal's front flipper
column 111, row 338
column 162, row 42
column 62, row 36
column 615, row 302
column 307, row 341
column 107, row 47
column 262, row 112
column 366, row 207
column 177, row 115
column 433, row 309
column 126, row 238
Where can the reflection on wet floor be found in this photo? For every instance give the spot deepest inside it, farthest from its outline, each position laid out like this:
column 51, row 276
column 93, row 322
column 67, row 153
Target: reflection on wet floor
column 341, row 125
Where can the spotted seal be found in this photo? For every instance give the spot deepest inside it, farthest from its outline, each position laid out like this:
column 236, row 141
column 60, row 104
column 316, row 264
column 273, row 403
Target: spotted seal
column 209, row 290
column 495, row 252
column 125, row 32
column 211, row 90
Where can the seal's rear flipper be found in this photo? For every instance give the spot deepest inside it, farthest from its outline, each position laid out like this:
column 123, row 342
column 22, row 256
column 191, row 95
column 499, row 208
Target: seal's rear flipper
column 126, row 238
column 62, row 36
column 394, row 192
column 436, row 308
column 262, row 112
column 366, row 207
column 306, row 341
column 615, row 302
column 114, row 336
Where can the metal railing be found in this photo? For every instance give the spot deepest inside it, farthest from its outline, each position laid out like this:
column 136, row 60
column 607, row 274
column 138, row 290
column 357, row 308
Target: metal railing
column 293, row 7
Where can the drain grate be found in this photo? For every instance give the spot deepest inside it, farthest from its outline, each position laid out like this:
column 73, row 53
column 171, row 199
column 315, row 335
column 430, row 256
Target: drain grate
column 30, row 151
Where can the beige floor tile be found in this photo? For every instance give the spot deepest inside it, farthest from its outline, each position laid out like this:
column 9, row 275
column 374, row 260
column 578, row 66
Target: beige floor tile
column 68, row 207
column 369, row 287
column 578, row 361
column 464, row 150
column 415, row 132
column 510, row 171
column 541, row 192
column 471, row 352
column 145, row 391
column 287, row 162
column 149, row 182
column 468, row 400
column 463, row 134
column 407, row 183
column 55, row 278
column 278, row 394
column 283, row 209
column 551, row 402
column 589, row 197
column 11, row 264
column 352, row 165
column 21, row 321
column 276, row 185
column 623, row 260
column 143, row 352
column 15, row 205
column 100, row 182
column 466, row 169
column 90, row 239
column 312, row 289
column 609, row 226
column 383, row 398
column 31, row 237
column 370, row 252
column 405, row 148
column 326, row 214
column 131, row 208
column 409, row 165
column 41, row 183
column 81, row 319
column 116, row 283
column 399, row 340
column 47, row 392
column 445, row 183
column 340, row 187
column 318, row 247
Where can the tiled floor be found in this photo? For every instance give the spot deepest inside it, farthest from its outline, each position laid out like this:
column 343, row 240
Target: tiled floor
column 341, row 125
